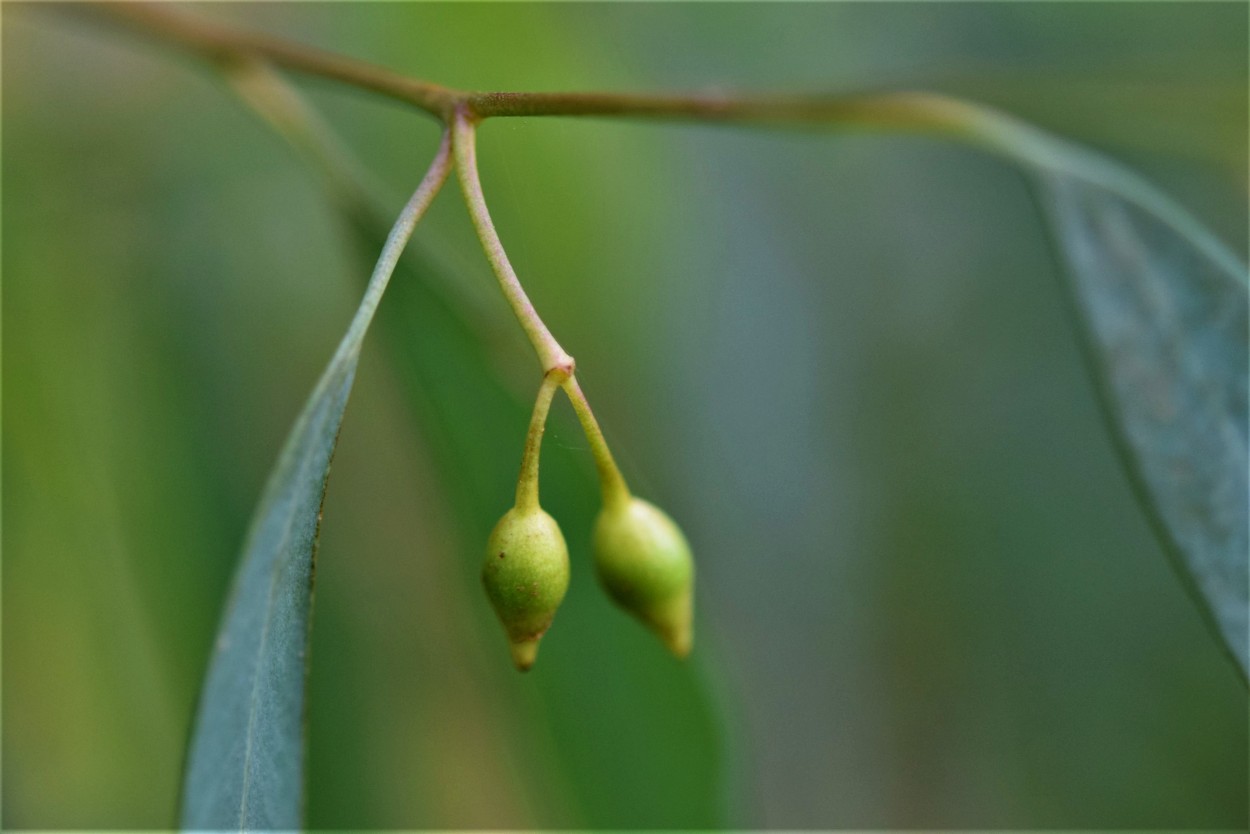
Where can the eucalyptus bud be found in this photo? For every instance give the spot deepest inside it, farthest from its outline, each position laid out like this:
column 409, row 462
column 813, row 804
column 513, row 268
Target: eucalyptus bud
column 644, row 563
column 526, row 573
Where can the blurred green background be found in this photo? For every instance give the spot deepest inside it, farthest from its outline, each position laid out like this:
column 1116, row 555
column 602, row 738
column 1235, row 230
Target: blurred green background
column 926, row 595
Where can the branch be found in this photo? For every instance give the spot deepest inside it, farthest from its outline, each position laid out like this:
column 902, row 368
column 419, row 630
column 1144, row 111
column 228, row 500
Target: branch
column 219, row 43
column 226, row 44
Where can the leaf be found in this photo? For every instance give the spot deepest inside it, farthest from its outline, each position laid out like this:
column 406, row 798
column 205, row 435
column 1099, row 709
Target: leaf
column 1165, row 312
column 245, row 765
column 1164, row 308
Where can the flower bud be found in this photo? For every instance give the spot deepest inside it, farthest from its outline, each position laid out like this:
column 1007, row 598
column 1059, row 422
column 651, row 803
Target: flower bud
column 644, row 563
column 526, row 573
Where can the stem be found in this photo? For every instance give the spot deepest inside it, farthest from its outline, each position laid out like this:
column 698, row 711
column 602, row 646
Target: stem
column 398, row 239
column 550, row 354
column 527, row 482
column 907, row 111
column 611, row 482
column 218, row 43
column 869, row 109
column 222, row 43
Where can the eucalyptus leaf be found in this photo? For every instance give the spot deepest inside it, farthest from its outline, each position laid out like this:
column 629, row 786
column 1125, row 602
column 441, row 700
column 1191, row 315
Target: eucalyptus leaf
column 1165, row 314
column 1163, row 304
column 246, row 761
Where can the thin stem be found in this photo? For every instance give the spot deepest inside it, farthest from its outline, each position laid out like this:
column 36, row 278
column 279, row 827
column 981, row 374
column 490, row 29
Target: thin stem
column 907, row 111
column 886, row 109
column 527, row 482
column 550, row 354
column 223, row 43
column 611, row 482
column 398, row 239
column 217, row 43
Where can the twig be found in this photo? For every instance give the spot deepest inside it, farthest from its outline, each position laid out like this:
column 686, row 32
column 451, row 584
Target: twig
column 219, row 43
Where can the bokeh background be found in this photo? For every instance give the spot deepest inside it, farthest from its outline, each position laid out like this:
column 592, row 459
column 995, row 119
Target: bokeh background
column 926, row 595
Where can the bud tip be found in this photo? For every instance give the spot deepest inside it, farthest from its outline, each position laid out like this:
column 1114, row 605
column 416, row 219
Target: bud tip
column 524, row 653
column 674, row 623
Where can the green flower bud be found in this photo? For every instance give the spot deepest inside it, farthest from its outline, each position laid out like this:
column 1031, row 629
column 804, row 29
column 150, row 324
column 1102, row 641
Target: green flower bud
column 644, row 563
column 526, row 573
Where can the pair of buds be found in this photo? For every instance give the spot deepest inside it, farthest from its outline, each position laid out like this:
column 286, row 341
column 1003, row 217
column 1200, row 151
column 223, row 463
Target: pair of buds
column 641, row 557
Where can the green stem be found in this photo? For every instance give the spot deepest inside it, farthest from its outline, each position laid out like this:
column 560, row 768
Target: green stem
column 611, row 482
column 464, row 142
column 396, row 241
column 527, row 482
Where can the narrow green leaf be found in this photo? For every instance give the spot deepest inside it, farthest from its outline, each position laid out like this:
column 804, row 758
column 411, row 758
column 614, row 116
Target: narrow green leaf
column 1166, row 330
column 245, row 765
column 1163, row 304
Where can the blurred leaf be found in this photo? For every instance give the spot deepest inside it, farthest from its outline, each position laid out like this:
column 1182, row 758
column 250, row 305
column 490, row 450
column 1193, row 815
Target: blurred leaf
column 1166, row 319
column 246, row 761
column 1164, row 307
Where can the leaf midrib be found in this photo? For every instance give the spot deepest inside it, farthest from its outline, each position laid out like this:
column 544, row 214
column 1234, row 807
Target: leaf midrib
column 253, row 699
